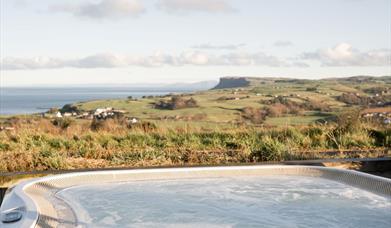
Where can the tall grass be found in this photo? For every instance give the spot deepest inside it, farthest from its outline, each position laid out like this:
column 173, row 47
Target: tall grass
column 41, row 145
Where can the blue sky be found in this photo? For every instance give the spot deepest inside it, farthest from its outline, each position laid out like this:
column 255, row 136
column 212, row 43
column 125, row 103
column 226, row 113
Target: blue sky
column 162, row 41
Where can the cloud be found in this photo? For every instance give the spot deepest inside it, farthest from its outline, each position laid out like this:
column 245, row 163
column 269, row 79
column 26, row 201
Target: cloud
column 99, row 60
column 11, row 63
column 219, row 47
column 283, row 43
column 258, row 58
column 195, row 58
column 158, row 59
column 231, row 59
column 104, row 60
column 300, row 64
column 344, row 54
column 119, row 9
column 209, row 6
column 113, row 9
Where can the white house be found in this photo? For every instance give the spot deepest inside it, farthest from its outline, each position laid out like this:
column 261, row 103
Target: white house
column 67, row 114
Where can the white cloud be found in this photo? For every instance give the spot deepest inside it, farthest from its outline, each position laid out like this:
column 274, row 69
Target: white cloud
column 99, row 60
column 219, row 47
column 210, row 6
column 344, row 54
column 341, row 55
column 259, row 58
column 194, row 58
column 158, row 59
column 11, row 63
column 104, row 60
column 283, row 43
column 112, row 9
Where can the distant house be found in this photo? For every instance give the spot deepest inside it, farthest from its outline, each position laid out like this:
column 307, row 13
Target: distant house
column 382, row 114
column 85, row 115
column 67, row 114
column 58, row 115
column 109, row 112
column 381, row 111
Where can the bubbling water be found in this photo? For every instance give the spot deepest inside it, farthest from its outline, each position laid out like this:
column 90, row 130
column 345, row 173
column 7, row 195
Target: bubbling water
column 245, row 201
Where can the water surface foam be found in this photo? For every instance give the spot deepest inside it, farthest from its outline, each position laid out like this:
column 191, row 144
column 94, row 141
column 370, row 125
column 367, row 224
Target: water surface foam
column 245, row 201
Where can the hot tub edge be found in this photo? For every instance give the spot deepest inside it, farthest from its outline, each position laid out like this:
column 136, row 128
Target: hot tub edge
column 40, row 207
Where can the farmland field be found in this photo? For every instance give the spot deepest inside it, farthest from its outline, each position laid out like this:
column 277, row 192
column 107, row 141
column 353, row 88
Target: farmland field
column 269, row 120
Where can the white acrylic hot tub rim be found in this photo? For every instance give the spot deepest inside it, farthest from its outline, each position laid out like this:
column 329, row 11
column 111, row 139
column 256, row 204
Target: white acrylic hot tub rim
column 28, row 204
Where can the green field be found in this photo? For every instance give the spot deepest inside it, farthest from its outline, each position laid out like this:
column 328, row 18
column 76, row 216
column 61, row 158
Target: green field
column 228, row 111
column 270, row 120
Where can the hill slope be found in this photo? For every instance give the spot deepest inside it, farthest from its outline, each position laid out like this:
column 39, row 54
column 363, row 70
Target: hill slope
column 237, row 99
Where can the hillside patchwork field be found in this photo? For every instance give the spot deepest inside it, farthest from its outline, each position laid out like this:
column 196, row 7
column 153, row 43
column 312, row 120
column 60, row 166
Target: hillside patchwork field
column 263, row 119
column 225, row 105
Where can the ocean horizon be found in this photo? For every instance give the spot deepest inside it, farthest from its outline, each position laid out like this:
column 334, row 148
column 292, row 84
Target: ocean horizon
column 29, row 100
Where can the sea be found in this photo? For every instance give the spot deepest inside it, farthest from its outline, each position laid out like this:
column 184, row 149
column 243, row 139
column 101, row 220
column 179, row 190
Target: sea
column 27, row 100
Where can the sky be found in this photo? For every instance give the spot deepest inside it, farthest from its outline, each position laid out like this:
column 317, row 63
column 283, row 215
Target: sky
column 62, row 42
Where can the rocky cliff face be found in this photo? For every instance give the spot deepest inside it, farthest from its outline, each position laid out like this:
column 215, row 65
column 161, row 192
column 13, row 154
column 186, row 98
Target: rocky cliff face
column 232, row 82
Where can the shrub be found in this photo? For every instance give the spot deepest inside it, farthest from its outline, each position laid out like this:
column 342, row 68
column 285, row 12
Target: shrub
column 316, row 106
column 4, row 146
column 145, row 126
column 55, row 143
column 268, row 149
column 281, row 105
column 276, row 110
column 14, row 138
column 63, row 123
column 114, row 124
column 348, row 121
column 381, row 137
column 69, row 108
column 311, row 89
column 256, row 116
column 314, row 131
column 47, row 160
column 176, row 102
column 97, row 124
column 295, row 110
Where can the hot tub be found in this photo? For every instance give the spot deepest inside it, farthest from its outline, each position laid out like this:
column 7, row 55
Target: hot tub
column 235, row 196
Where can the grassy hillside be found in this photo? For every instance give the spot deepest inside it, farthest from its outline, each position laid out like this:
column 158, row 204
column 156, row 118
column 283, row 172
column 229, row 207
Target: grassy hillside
column 268, row 120
column 214, row 108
